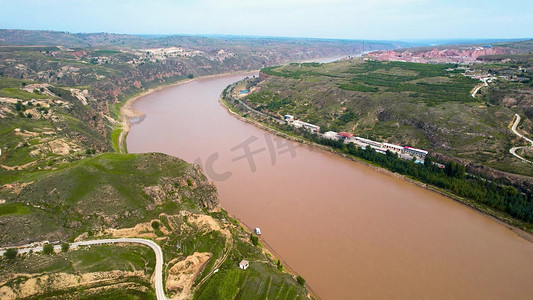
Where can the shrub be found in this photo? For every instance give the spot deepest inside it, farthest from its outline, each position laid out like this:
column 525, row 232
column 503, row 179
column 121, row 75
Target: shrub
column 279, row 265
column 48, row 249
column 300, row 280
column 254, row 240
column 65, row 247
column 11, row 253
column 155, row 225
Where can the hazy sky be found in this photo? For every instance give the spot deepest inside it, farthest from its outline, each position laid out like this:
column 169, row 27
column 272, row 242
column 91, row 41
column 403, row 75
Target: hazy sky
column 352, row 19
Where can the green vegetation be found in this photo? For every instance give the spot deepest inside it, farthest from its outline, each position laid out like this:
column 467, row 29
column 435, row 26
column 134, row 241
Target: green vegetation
column 99, row 187
column 48, row 249
column 115, row 135
column 7, row 82
column 297, row 71
column 355, row 86
column 115, row 186
column 13, row 209
column 97, row 258
column 259, row 281
column 107, row 258
column 300, row 280
column 65, row 247
column 427, row 106
column 155, row 225
column 431, row 84
column 20, row 94
column 107, row 52
column 254, row 239
column 223, row 286
column 11, row 253
column 279, row 265
column 119, row 294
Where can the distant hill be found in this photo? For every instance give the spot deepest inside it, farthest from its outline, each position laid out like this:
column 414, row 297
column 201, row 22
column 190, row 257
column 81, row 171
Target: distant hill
column 14, row 37
column 17, row 37
column 456, row 53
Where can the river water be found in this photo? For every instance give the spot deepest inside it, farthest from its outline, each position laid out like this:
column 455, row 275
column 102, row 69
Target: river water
column 350, row 231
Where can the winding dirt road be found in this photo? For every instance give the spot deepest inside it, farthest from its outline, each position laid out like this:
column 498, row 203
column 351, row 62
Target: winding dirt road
column 513, row 150
column 478, row 87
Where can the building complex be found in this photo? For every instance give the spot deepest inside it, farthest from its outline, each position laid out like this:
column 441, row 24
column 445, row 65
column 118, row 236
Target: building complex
column 405, row 152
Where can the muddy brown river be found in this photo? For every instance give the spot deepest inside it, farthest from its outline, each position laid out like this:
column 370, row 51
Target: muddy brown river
column 350, row 231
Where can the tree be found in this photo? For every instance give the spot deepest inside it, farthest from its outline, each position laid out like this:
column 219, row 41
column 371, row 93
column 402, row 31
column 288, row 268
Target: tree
column 19, row 106
column 428, row 161
column 64, row 247
column 155, row 225
column 254, row 240
column 48, row 249
column 300, row 280
column 456, row 170
column 11, row 253
column 279, row 265
column 190, row 76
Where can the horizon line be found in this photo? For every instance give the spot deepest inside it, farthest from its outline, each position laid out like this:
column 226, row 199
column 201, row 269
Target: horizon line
column 405, row 40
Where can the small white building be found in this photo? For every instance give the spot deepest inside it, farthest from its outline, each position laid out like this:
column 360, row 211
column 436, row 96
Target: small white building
column 331, row 135
column 394, row 148
column 244, row 264
column 372, row 143
column 257, row 231
column 415, row 152
column 298, row 124
column 308, row 126
column 288, row 118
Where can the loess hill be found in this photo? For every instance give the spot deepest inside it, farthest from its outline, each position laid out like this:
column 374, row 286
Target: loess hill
column 427, row 106
column 153, row 196
column 60, row 95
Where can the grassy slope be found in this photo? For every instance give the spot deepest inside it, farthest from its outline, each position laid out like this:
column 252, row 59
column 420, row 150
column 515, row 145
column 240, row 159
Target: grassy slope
column 77, row 197
column 411, row 104
column 21, row 135
column 106, row 191
column 88, row 260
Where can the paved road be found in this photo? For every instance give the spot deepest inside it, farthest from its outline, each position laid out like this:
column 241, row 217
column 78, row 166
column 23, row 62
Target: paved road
column 158, row 274
column 476, row 89
column 513, row 150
